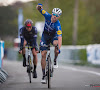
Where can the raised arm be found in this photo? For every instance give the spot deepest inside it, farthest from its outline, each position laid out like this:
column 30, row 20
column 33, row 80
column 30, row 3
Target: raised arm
column 42, row 11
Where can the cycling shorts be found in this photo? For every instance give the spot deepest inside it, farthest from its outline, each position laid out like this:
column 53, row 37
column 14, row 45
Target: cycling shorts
column 46, row 40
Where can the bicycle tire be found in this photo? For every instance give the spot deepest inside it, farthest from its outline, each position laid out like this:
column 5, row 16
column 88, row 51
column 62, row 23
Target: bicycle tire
column 48, row 74
column 29, row 73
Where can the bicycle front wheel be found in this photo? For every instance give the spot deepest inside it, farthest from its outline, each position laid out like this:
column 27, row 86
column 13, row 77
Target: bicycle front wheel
column 29, row 73
column 48, row 74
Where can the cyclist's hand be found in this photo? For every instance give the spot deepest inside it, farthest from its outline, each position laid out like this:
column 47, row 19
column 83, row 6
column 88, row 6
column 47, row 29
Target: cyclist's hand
column 20, row 51
column 58, row 51
column 39, row 6
column 37, row 51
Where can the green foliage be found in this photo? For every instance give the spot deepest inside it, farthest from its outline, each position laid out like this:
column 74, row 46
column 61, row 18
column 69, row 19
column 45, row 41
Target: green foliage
column 8, row 44
column 94, row 10
column 66, row 18
column 7, row 25
column 20, row 57
column 83, row 56
column 88, row 19
column 85, row 25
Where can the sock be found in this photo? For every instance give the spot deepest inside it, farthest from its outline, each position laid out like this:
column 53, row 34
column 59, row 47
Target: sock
column 34, row 67
column 55, row 58
column 43, row 71
column 24, row 56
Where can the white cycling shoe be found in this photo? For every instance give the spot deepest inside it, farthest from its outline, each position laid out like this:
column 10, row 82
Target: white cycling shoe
column 55, row 65
column 43, row 81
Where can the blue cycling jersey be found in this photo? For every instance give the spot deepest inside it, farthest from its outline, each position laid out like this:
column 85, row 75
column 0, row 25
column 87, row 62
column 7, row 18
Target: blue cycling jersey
column 51, row 30
column 50, row 27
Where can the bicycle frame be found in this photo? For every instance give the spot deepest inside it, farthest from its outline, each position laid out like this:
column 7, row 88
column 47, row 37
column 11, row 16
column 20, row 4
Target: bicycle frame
column 48, row 68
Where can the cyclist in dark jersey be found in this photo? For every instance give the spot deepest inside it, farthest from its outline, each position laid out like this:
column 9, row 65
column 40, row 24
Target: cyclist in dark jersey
column 28, row 34
column 52, row 34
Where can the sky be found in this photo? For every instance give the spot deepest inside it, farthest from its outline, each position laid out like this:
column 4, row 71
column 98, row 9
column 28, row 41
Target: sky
column 10, row 2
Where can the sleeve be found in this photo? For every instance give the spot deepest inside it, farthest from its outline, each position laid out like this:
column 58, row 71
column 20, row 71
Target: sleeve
column 21, row 39
column 58, row 30
column 44, row 13
column 35, row 43
column 35, row 35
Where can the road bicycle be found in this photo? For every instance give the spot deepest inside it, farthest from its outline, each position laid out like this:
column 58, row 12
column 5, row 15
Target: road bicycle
column 29, row 62
column 49, row 67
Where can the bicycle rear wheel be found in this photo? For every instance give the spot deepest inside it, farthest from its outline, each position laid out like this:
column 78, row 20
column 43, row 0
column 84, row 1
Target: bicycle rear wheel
column 29, row 73
column 48, row 74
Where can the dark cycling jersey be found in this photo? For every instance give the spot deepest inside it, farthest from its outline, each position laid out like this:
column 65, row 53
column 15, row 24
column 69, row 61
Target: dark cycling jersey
column 29, row 36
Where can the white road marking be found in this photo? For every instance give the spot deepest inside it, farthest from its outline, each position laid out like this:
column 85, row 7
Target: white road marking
column 79, row 70
column 87, row 85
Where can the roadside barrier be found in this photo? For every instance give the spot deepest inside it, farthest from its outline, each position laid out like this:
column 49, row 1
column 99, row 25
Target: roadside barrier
column 3, row 73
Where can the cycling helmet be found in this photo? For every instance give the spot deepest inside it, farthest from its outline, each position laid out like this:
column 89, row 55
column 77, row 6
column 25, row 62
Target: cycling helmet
column 28, row 22
column 57, row 11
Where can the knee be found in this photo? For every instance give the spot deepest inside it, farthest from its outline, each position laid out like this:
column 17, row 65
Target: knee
column 55, row 43
column 43, row 54
column 34, row 55
column 24, row 44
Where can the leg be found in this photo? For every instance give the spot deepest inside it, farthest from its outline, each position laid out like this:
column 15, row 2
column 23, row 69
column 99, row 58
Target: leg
column 35, row 59
column 44, row 41
column 43, row 65
column 55, row 42
column 43, row 61
column 23, row 53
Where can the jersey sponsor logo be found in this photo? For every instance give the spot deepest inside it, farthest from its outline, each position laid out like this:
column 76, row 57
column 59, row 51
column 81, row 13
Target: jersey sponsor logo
column 59, row 32
column 48, row 26
column 43, row 11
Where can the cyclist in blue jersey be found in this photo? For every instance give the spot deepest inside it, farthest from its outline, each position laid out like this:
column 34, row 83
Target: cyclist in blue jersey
column 28, row 34
column 52, row 34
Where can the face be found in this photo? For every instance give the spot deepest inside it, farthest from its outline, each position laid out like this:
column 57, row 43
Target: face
column 28, row 28
column 55, row 17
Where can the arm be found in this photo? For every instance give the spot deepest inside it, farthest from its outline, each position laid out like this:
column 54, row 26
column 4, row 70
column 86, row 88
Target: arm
column 59, row 35
column 39, row 7
column 35, row 43
column 42, row 11
column 35, row 40
column 59, row 41
column 21, row 39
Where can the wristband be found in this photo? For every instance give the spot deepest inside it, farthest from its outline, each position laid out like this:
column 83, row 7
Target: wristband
column 59, row 51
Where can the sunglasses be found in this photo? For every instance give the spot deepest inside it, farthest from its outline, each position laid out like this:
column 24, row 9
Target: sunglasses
column 55, row 15
column 28, row 26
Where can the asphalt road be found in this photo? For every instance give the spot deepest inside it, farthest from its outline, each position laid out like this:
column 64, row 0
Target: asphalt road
column 67, row 77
